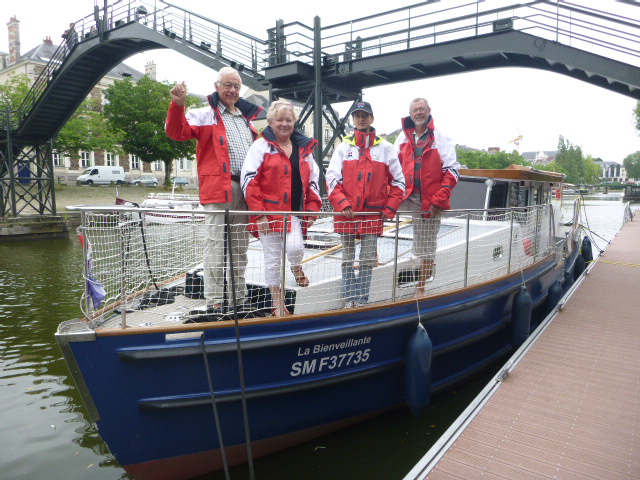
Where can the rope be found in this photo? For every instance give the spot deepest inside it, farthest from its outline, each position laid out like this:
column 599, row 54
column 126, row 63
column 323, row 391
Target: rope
column 243, row 388
column 216, row 416
column 620, row 263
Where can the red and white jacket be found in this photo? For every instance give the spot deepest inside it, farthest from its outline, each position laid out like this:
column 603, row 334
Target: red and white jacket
column 439, row 169
column 212, row 150
column 364, row 174
column 266, row 178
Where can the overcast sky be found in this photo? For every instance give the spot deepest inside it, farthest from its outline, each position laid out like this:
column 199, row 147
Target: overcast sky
column 480, row 109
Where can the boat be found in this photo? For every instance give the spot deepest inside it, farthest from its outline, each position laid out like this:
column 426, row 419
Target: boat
column 176, row 393
column 631, row 193
column 164, row 206
column 567, row 190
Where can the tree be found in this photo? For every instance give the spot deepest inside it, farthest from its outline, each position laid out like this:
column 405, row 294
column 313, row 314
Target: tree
column 482, row 159
column 139, row 111
column 88, row 130
column 13, row 92
column 632, row 165
column 569, row 160
column 574, row 165
column 592, row 170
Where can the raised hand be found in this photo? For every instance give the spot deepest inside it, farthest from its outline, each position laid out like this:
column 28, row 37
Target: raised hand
column 179, row 94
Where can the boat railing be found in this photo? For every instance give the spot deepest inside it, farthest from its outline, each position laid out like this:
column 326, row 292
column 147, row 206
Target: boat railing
column 138, row 253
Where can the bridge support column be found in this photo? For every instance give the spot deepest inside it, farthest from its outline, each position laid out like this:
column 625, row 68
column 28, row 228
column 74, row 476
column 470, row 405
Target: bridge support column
column 26, row 179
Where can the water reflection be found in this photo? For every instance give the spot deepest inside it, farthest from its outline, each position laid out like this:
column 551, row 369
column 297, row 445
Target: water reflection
column 42, row 414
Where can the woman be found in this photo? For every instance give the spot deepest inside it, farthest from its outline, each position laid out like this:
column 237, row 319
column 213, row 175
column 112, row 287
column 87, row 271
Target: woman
column 279, row 174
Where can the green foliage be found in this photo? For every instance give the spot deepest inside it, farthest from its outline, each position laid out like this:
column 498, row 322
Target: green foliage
column 548, row 167
column 391, row 138
column 632, row 165
column 592, row 171
column 88, row 130
column 13, row 91
column 574, row 165
column 482, row 159
column 139, row 111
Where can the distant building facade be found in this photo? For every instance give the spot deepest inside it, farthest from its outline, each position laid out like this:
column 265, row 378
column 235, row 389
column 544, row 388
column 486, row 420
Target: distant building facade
column 540, row 158
column 613, row 172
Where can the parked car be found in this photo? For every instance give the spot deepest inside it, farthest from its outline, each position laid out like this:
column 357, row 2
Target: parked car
column 102, row 175
column 147, row 181
column 180, row 181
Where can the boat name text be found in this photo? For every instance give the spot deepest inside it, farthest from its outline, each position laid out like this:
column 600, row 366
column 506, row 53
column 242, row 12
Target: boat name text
column 328, row 347
column 317, row 365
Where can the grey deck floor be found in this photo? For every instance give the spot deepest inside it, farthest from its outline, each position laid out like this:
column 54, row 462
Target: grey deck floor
column 570, row 408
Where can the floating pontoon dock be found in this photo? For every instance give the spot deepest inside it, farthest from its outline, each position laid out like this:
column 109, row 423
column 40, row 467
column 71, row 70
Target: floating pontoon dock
column 567, row 404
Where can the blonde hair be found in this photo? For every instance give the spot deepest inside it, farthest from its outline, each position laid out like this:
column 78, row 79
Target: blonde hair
column 278, row 106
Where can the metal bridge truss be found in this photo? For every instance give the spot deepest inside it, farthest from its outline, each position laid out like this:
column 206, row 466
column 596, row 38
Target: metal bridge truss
column 26, row 179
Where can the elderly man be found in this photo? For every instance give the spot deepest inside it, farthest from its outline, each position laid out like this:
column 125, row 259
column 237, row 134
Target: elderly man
column 224, row 133
column 364, row 175
column 430, row 168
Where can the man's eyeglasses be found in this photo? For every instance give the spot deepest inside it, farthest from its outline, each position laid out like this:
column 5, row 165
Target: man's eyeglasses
column 418, row 110
column 231, row 86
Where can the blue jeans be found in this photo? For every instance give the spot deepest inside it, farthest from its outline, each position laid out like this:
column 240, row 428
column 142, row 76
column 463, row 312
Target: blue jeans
column 357, row 287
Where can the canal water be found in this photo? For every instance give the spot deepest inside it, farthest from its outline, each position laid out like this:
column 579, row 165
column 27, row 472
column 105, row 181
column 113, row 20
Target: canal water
column 45, row 432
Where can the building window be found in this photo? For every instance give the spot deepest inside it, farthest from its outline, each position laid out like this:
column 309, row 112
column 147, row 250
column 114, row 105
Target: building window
column 58, row 159
column 85, row 159
column 135, row 162
column 111, row 160
column 327, row 134
column 185, row 164
column 157, row 165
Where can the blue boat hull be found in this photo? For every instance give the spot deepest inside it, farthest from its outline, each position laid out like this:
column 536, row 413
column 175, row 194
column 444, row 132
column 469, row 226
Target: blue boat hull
column 149, row 389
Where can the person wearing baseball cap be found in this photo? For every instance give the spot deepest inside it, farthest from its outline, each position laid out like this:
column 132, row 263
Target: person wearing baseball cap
column 364, row 176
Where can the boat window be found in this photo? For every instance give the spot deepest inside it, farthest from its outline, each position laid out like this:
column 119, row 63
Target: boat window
column 514, row 194
column 498, row 252
column 499, row 194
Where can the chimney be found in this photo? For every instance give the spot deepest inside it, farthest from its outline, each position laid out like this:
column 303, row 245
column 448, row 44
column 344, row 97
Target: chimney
column 14, row 40
column 150, row 70
column 48, row 40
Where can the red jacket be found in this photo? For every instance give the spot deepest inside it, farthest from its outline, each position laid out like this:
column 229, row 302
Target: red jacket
column 212, row 150
column 364, row 174
column 439, row 170
column 266, row 178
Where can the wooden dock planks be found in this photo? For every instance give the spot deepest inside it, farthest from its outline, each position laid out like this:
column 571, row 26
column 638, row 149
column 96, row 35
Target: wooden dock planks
column 571, row 406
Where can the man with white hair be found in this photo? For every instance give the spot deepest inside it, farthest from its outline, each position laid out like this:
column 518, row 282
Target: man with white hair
column 430, row 168
column 224, row 133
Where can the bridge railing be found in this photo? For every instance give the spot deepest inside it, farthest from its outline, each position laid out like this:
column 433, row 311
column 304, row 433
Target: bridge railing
column 431, row 23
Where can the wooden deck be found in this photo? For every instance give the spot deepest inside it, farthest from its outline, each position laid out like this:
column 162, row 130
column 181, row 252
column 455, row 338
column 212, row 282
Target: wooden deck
column 570, row 405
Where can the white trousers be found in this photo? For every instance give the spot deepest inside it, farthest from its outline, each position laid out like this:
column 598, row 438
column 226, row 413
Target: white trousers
column 272, row 250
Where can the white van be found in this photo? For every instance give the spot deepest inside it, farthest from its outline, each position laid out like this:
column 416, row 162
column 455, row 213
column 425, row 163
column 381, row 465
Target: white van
column 101, row 175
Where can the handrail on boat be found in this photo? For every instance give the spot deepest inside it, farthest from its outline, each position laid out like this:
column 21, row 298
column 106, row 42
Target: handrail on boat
column 128, row 250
